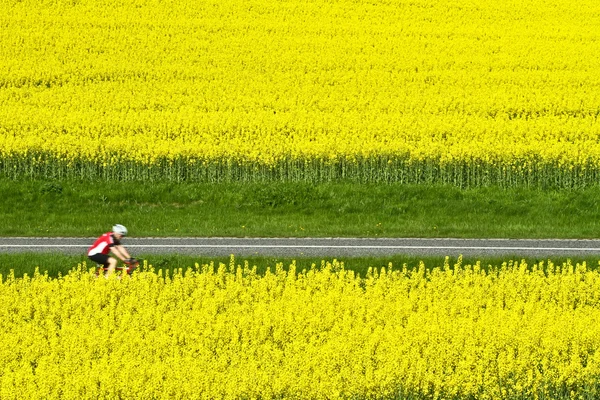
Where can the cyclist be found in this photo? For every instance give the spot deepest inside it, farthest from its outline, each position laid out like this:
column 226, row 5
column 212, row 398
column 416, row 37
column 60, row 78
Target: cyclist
column 107, row 243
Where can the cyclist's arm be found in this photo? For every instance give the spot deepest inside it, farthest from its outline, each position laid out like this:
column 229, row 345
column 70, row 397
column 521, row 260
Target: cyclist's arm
column 123, row 251
column 118, row 251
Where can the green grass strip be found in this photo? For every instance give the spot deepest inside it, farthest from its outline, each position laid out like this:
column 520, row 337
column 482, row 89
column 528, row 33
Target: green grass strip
column 275, row 209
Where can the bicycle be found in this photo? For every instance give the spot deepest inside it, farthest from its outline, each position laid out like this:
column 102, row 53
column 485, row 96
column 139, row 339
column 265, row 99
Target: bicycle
column 129, row 266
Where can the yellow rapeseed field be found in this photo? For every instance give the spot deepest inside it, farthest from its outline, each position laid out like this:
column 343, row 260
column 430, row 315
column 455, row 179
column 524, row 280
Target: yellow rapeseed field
column 462, row 331
column 265, row 83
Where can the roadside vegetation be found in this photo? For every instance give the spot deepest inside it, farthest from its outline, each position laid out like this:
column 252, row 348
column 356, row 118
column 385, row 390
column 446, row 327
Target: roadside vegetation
column 85, row 209
column 520, row 331
column 55, row 264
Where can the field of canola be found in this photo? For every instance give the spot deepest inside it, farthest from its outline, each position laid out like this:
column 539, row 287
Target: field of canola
column 468, row 92
column 514, row 331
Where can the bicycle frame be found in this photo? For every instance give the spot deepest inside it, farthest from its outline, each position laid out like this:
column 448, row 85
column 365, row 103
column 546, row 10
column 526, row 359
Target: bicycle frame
column 127, row 267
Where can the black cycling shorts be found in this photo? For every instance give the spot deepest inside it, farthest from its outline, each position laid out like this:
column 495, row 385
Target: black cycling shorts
column 100, row 259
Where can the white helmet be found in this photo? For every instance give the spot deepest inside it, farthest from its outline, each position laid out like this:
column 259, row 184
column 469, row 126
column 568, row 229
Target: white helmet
column 120, row 229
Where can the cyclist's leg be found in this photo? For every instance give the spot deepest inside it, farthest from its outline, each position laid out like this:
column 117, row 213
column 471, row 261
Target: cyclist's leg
column 100, row 259
column 112, row 264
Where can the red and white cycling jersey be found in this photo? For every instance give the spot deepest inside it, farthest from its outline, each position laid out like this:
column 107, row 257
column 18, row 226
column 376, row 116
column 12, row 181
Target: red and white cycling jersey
column 103, row 244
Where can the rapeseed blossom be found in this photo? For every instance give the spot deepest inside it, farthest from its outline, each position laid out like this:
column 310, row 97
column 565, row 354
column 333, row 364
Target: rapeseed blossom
column 244, row 87
column 217, row 331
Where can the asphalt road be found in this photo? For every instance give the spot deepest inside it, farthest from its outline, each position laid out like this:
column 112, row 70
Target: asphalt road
column 317, row 247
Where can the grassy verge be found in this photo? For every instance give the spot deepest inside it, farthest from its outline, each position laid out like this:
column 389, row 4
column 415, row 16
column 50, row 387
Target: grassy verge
column 72, row 208
column 55, row 264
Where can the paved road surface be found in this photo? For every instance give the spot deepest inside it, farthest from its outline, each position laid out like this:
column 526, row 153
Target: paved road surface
column 321, row 247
